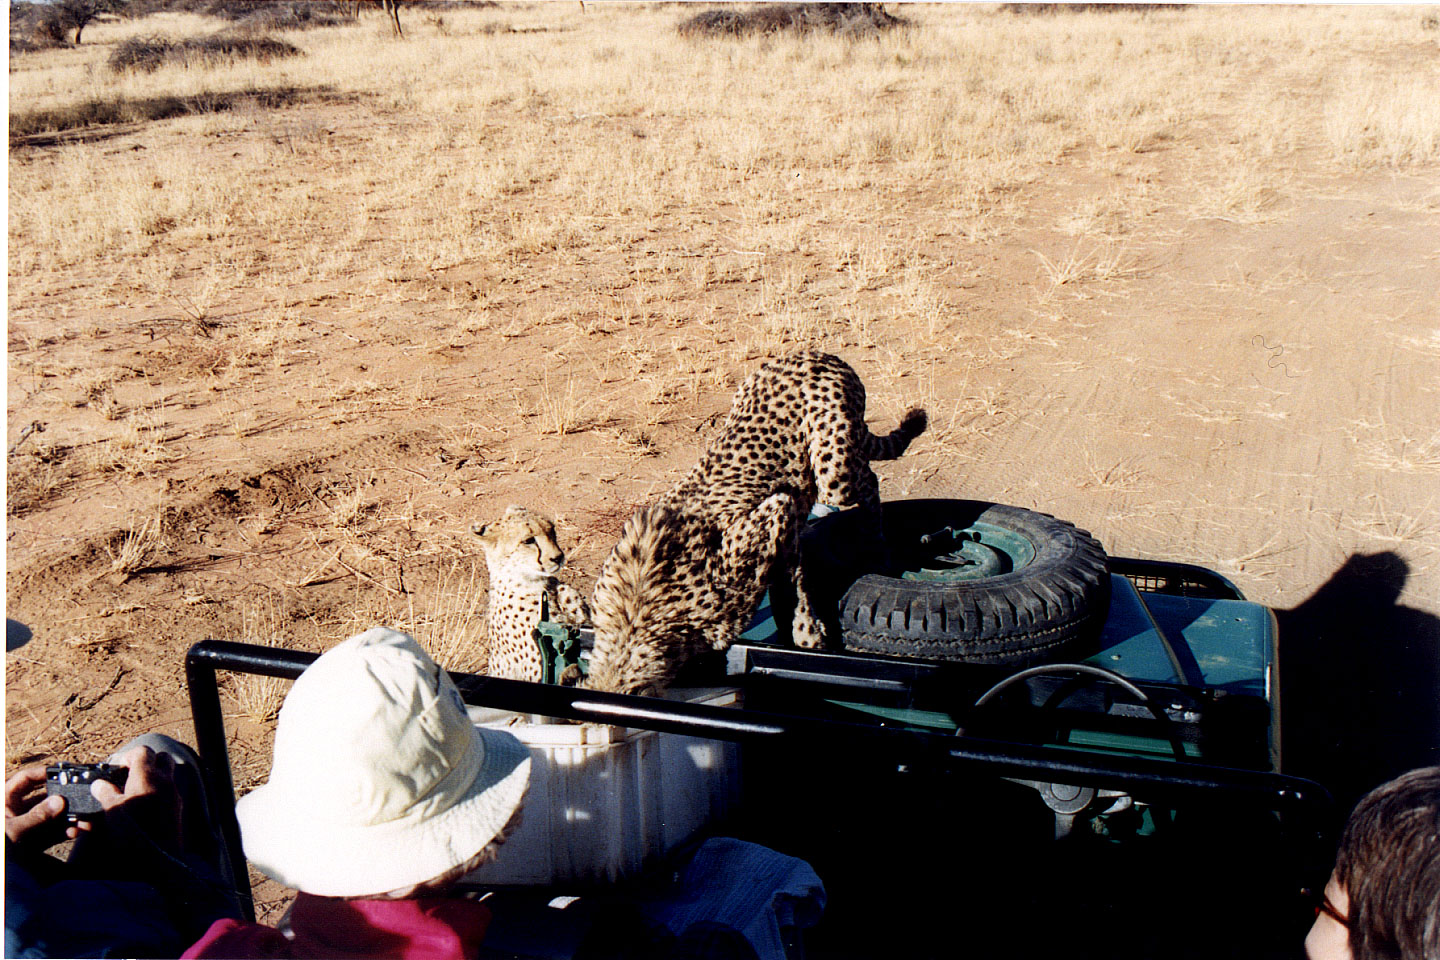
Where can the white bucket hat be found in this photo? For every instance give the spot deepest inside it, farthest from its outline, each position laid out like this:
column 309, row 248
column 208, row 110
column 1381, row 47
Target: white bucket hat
column 380, row 780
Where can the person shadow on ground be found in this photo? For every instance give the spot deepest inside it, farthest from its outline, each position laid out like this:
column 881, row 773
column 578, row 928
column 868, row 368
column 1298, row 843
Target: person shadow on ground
column 1359, row 680
column 16, row 634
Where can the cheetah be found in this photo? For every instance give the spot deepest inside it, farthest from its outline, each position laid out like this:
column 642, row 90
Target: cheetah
column 524, row 557
column 689, row 572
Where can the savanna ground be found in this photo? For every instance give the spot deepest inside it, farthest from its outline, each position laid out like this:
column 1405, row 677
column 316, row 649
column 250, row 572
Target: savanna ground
column 1172, row 276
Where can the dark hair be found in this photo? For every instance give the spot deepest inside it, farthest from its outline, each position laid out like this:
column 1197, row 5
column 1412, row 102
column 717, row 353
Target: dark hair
column 1389, row 866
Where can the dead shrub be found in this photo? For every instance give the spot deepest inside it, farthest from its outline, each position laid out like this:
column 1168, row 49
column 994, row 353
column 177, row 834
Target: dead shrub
column 261, row 14
column 1050, row 9
column 291, row 16
column 845, row 18
column 150, row 53
column 141, row 53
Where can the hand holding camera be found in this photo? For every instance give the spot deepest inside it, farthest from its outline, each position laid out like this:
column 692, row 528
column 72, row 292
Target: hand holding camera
column 72, row 781
column 126, row 809
column 33, row 819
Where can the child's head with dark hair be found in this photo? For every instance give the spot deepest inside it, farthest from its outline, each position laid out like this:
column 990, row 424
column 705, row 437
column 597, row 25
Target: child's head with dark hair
column 1383, row 900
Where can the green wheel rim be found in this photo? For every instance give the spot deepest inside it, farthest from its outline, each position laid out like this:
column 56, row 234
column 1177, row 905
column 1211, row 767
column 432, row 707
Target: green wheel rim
column 976, row 552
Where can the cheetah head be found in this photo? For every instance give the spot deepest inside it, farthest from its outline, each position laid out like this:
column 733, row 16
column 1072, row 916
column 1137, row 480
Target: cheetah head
column 521, row 543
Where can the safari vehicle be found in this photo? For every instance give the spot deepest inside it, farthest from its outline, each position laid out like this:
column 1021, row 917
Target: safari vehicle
column 1026, row 748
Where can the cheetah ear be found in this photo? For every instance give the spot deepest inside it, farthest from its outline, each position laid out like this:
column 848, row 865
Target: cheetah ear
column 482, row 530
column 514, row 510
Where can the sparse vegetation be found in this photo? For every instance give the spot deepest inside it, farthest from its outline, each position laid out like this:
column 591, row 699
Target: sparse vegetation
column 31, row 481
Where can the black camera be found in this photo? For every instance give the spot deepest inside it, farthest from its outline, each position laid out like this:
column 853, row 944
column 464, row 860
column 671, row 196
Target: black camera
column 72, row 781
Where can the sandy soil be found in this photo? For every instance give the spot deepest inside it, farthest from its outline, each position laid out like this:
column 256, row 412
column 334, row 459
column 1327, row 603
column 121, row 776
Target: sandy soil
column 1257, row 394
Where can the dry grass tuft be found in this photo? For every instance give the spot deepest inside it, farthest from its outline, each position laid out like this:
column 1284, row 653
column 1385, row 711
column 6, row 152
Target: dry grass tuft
column 1386, row 121
column 352, row 506
column 1417, row 533
column 31, row 481
column 1263, row 561
column 1116, row 476
column 445, row 614
column 1246, row 194
column 558, row 410
column 1105, row 262
column 138, row 448
column 1397, row 451
column 136, row 549
column 452, row 627
column 258, row 698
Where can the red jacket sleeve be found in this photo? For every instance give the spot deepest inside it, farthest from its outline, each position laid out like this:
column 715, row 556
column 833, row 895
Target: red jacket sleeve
column 234, row 940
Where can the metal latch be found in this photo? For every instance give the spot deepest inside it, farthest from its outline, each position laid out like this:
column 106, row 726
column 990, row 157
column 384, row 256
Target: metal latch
column 1069, row 802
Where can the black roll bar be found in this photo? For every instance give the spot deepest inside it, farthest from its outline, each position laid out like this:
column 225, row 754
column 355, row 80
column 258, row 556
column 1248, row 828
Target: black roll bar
column 1287, row 795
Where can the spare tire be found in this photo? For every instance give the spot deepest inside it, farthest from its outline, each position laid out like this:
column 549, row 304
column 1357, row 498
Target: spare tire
column 969, row 581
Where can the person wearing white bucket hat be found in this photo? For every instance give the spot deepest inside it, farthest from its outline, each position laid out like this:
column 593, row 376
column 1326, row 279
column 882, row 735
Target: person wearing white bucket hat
column 382, row 793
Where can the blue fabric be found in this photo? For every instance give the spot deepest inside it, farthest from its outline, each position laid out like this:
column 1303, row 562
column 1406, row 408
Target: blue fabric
column 85, row 918
column 744, row 887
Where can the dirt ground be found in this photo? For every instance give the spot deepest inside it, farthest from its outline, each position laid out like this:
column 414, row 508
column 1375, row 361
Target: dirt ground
column 1256, row 393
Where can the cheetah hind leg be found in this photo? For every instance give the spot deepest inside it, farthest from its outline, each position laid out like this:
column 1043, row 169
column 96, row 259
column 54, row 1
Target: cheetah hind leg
column 762, row 550
column 761, row 546
column 807, row 630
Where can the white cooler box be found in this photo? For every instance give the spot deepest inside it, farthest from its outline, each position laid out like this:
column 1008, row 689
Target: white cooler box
column 606, row 801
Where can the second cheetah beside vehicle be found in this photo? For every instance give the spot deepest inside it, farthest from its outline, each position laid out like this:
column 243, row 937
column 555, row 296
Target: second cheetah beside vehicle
column 524, row 559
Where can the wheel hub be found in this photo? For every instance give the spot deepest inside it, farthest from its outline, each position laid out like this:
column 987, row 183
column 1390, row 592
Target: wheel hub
column 973, row 553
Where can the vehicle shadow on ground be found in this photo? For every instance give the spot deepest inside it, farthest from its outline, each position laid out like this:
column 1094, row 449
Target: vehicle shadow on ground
column 1359, row 680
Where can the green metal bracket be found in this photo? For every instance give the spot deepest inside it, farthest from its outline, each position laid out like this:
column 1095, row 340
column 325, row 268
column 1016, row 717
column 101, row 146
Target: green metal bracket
column 559, row 645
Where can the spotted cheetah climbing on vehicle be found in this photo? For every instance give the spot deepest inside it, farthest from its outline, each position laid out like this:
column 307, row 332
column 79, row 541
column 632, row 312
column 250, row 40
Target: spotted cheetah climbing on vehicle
column 689, row 572
column 524, row 558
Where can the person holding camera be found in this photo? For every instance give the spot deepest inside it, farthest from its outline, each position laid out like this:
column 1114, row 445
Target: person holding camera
column 382, row 794
column 146, row 874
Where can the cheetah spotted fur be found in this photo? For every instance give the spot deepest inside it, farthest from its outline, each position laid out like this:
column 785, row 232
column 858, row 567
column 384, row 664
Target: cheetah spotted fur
column 689, row 572
column 524, row 558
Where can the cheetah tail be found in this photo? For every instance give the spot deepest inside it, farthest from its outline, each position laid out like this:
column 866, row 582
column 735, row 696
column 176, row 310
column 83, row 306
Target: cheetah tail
column 894, row 443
